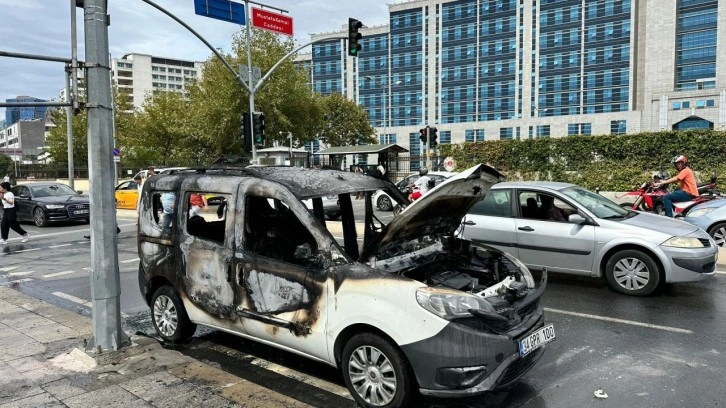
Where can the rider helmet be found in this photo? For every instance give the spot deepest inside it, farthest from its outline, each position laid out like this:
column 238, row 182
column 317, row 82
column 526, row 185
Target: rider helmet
column 680, row 161
column 423, row 171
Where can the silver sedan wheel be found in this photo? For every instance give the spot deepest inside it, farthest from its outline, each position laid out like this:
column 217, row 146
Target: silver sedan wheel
column 166, row 316
column 631, row 273
column 372, row 375
column 719, row 235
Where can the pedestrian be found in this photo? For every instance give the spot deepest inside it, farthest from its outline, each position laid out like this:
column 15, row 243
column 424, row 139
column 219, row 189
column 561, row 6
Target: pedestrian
column 6, row 179
column 359, row 170
column 150, row 171
column 10, row 220
column 197, row 202
column 167, row 203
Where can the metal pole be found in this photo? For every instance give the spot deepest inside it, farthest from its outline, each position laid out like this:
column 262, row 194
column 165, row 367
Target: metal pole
column 428, row 146
column 385, row 99
column 249, row 80
column 69, row 132
column 105, row 281
column 289, row 135
column 72, row 86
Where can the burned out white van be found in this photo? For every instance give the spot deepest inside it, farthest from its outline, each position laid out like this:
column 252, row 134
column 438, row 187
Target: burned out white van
column 400, row 308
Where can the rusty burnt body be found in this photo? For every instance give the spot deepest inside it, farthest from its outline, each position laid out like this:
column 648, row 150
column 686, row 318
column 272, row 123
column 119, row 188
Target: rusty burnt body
column 264, row 265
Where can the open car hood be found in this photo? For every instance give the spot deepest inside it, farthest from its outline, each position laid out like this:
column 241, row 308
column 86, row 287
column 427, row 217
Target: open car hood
column 439, row 211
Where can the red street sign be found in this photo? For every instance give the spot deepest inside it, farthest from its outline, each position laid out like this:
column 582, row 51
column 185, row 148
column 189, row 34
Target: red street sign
column 277, row 23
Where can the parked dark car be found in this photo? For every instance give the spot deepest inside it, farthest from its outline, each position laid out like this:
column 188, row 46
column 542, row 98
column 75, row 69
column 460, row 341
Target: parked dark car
column 43, row 203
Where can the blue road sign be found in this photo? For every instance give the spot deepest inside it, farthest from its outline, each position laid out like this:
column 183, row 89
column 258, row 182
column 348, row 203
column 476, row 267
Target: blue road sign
column 116, row 151
column 224, row 10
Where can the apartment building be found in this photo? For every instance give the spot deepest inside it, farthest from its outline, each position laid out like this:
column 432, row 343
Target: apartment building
column 141, row 74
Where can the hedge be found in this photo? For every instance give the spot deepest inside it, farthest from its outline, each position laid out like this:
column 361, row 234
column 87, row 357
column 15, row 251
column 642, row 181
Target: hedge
column 608, row 162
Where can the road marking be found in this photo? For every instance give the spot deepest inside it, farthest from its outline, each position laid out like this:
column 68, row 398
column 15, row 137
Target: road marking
column 129, row 260
column 8, row 268
column 20, row 273
column 66, row 232
column 304, row 378
column 623, row 321
column 13, row 282
column 52, row 275
column 72, row 298
column 27, row 250
column 59, row 246
column 721, row 272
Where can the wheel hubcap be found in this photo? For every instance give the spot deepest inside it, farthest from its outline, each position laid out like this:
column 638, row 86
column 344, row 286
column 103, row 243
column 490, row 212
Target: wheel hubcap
column 385, row 204
column 719, row 236
column 631, row 273
column 372, row 375
column 165, row 315
column 39, row 218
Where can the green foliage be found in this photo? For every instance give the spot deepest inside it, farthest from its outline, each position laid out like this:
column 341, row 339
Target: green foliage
column 610, row 162
column 6, row 165
column 348, row 123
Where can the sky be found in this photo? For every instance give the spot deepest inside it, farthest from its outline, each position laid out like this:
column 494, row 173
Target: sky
column 43, row 27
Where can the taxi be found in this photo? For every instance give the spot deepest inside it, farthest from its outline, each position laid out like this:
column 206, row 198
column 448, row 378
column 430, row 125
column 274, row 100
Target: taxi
column 127, row 194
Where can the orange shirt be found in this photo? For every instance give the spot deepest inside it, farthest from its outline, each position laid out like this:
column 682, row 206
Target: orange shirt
column 197, row 200
column 688, row 181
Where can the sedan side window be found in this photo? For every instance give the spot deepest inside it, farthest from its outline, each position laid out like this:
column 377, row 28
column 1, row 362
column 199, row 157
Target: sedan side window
column 495, row 203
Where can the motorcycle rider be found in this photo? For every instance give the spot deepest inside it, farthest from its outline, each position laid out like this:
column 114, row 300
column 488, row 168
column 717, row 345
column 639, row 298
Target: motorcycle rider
column 421, row 185
column 688, row 189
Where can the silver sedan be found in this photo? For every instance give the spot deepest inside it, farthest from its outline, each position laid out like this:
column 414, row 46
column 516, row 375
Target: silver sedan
column 566, row 228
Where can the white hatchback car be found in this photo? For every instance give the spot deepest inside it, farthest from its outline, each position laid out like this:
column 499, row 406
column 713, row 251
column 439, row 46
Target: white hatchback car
column 385, row 202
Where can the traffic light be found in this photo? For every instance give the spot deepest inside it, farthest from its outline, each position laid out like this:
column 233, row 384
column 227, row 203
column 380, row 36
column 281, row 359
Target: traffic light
column 247, row 131
column 354, row 36
column 258, row 128
column 434, row 136
column 423, row 136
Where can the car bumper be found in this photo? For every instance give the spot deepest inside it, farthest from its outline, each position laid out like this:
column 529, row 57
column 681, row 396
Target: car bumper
column 62, row 215
column 688, row 265
column 463, row 359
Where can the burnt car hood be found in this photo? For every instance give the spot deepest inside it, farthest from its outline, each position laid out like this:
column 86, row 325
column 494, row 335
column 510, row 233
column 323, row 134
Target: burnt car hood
column 439, row 211
column 63, row 200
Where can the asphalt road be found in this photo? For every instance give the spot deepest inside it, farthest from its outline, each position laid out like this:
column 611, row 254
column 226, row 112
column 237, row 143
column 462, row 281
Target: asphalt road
column 665, row 350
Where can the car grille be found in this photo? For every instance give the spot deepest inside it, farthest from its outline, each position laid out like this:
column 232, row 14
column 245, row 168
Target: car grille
column 706, row 242
column 73, row 208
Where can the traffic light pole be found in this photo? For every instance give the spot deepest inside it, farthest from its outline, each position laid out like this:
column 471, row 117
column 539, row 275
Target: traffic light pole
column 428, row 146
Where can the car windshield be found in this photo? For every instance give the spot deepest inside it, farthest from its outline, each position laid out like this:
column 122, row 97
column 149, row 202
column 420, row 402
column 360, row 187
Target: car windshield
column 51, row 191
column 600, row 206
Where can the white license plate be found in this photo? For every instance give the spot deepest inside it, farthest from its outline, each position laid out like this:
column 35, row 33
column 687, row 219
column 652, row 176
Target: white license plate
column 80, row 212
column 536, row 340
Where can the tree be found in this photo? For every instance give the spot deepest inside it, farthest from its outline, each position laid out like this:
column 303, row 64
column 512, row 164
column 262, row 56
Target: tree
column 6, row 165
column 347, row 123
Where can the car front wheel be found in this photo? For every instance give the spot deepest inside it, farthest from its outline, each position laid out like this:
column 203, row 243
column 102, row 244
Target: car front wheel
column 39, row 217
column 632, row 272
column 169, row 316
column 718, row 233
column 376, row 372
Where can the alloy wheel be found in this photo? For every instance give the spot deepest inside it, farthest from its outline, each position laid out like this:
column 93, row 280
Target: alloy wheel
column 372, row 375
column 165, row 315
column 631, row 273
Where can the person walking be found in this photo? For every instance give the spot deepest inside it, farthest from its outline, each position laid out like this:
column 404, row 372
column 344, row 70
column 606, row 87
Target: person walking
column 10, row 220
column 197, row 202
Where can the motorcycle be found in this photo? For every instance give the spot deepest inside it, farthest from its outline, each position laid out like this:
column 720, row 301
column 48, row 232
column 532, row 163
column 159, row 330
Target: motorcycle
column 649, row 198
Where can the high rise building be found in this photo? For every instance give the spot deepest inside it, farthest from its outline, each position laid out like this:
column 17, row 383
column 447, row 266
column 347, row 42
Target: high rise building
column 15, row 114
column 141, row 74
column 503, row 69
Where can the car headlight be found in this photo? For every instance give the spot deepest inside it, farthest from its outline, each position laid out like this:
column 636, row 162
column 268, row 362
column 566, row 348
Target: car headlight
column 449, row 303
column 683, row 242
column 55, row 206
column 700, row 212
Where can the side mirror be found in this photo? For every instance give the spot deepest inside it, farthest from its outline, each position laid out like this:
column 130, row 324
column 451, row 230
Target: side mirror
column 576, row 219
column 79, row 191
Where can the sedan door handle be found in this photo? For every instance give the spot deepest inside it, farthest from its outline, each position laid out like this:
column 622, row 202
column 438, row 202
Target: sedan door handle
column 469, row 223
column 527, row 228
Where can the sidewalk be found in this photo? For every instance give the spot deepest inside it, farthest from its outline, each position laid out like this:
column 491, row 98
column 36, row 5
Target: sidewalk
column 42, row 364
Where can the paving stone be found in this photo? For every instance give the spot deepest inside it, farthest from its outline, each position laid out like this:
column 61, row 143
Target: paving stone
column 24, row 364
column 43, row 400
column 251, row 394
column 109, row 397
column 62, row 389
column 14, row 389
column 51, row 333
column 205, row 374
column 153, row 386
column 22, row 321
column 18, row 346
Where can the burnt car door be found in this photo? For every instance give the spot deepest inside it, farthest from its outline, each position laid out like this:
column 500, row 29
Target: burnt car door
column 281, row 270
column 207, row 256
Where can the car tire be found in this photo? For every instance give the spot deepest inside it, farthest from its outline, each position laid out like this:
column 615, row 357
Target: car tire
column 384, row 203
column 397, row 209
column 659, row 209
column 39, row 217
column 718, row 233
column 633, row 272
column 376, row 372
column 169, row 317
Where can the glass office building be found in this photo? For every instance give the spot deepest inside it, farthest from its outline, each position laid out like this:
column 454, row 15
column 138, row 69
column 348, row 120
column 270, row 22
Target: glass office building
column 15, row 114
column 513, row 69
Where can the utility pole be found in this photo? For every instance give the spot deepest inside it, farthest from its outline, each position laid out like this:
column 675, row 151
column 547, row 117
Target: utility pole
column 105, row 281
column 428, row 146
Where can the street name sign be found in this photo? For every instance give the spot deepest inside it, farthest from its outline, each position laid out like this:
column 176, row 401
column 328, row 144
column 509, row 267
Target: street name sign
column 224, row 10
column 275, row 22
